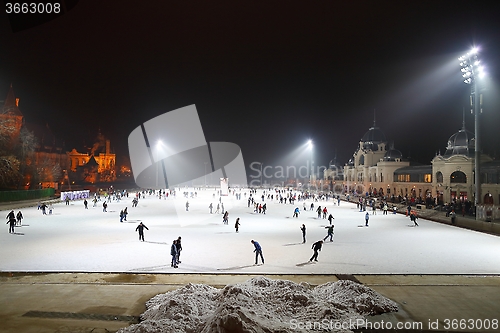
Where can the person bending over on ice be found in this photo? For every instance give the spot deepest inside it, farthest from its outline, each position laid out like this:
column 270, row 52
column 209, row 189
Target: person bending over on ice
column 258, row 251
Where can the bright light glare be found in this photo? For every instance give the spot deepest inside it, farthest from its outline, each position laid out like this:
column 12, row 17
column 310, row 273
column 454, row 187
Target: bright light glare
column 310, row 144
column 474, row 50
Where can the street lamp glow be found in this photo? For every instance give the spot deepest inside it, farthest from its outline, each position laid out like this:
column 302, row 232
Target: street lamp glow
column 471, row 69
column 310, row 144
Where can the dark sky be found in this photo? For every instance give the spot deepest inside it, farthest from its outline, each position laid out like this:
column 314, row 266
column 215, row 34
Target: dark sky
column 267, row 76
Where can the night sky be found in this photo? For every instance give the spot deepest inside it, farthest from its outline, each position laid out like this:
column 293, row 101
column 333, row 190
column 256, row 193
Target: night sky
column 267, row 76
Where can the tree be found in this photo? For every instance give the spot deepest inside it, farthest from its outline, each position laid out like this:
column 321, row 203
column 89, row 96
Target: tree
column 9, row 171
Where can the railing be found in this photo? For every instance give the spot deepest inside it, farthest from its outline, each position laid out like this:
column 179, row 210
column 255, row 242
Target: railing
column 6, row 196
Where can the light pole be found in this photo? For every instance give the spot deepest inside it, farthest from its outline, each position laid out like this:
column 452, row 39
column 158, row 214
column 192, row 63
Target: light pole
column 206, row 175
column 471, row 71
column 158, row 146
column 310, row 147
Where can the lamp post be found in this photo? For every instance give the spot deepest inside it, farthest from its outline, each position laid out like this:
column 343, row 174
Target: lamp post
column 206, row 175
column 311, row 176
column 471, row 71
column 158, row 146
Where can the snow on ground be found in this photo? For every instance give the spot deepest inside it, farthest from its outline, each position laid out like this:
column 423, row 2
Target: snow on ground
column 262, row 305
column 75, row 239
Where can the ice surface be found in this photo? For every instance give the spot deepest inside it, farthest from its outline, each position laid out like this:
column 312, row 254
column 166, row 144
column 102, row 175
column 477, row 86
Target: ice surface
column 79, row 240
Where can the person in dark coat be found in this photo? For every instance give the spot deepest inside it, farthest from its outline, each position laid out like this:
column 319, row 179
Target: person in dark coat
column 19, row 217
column 179, row 249
column 316, row 247
column 330, row 233
column 140, row 228
column 85, row 203
column 237, row 224
column 173, row 253
column 11, row 221
column 258, row 251
column 303, row 228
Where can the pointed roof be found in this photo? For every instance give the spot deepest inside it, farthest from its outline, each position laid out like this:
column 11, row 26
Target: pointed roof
column 10, row 105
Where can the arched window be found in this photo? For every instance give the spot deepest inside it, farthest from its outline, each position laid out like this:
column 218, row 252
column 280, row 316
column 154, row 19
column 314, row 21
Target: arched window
column 488, row 199
column 362, row 160
column 439, row 177
column 458, row 177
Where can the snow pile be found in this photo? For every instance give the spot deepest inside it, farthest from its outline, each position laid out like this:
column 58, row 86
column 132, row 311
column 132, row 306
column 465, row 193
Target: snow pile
column 259, row 305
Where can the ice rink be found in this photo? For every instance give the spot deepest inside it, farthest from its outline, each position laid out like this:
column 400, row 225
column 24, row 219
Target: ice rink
column 74, row 239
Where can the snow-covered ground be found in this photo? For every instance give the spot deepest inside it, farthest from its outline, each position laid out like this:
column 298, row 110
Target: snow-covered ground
column 75, row 239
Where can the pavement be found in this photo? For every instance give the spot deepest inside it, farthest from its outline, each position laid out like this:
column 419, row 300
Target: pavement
column 105, row 302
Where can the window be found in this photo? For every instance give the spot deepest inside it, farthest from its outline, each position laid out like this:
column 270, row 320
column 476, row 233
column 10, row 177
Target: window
column 428, row 178
column 404, row 178
column 458, row 177
column 439, row 177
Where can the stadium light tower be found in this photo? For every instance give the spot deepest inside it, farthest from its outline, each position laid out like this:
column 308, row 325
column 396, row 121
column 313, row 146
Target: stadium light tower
column 471, row 71
column 157, row 150
column 310, row 147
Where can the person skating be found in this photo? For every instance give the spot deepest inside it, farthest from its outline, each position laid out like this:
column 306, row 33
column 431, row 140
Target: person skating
column 173, row 253
column 179, row 249
column 367, row 217
column 319, row 211
column 104, row 206
column 296, row 212
column 140, row 228
column 43, row 207
column 225, row 218
column 187, row 206
column 303, row 229
column 258, row 251
column 237, row 224
column 330, row 233
column 211, row 207
column 11, row 221
column 85, row 203
column 413, row 218
column 121, row 216
column 331, row 218
column 316, row 247
column 19, row 218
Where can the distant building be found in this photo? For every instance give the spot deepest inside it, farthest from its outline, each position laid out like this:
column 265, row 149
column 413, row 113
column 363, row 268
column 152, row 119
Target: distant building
column 380, row 170
column 51, row 165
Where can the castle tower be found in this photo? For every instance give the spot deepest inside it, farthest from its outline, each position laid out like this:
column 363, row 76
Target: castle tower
column 11, row 118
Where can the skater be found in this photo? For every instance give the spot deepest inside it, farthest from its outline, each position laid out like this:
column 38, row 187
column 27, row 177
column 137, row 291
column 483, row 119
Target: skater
column 187, row 206
column 178, row 245
column 173, row 253
column 330, row 233
column 325, row 211
column 316, row 247
column 303, row 229
column 237, row 224
column 453, row 217
column 19, row 218
column 296, row 212
column 211, row 207
column 140, row 228
column 319, row 211
column 121, row 215
column 51, row 208
column 258, row 251
column 367, row 217
column 218, row 209
column 222, row 207
column 43, row 207
column 413, row 218
column 11, row 221
column 104, row 206
column 225, row 218
column 331, row 218
column 85, row 203
column 125, row 213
